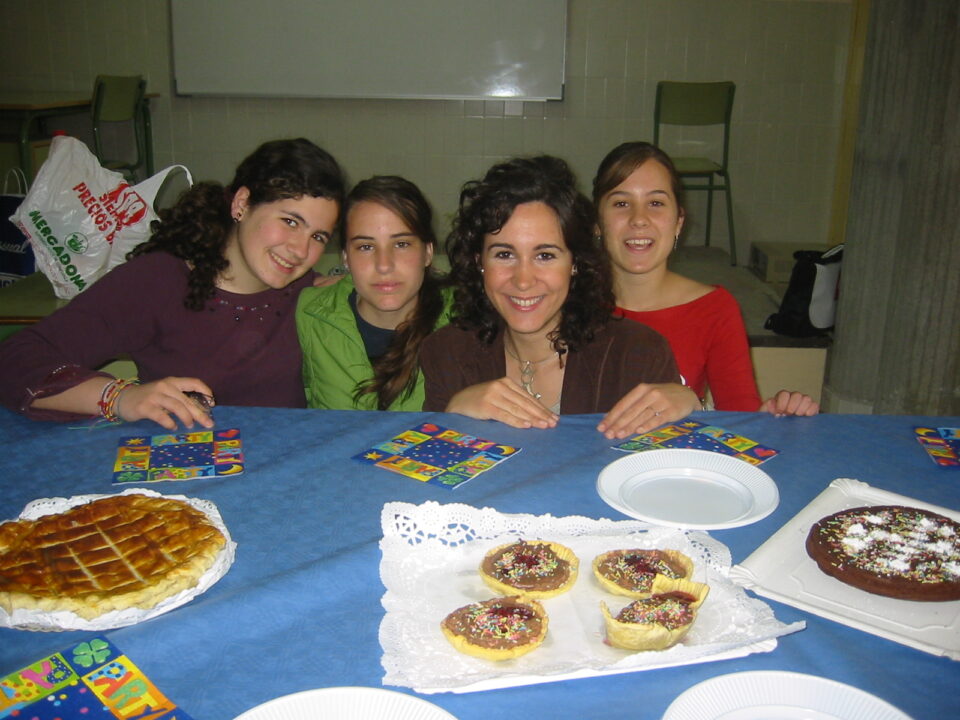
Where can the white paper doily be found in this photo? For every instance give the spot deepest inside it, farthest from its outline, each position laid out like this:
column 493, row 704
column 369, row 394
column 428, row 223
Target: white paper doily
column 431, row 553
column 55, row 621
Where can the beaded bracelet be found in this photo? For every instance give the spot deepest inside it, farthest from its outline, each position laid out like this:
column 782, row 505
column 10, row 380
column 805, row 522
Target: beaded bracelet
column 109, row 397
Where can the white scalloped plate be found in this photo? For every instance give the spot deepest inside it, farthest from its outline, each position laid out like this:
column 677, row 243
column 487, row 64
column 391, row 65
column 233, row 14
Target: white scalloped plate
column 347, row 703
column 688, row 488
column 778, row 695
column 39, row 620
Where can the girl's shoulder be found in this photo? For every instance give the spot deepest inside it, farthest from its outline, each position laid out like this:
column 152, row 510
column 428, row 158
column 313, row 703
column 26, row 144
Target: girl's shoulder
column 451, row 340
column 325, row 298
column 682, row 290
column 157, row 260
column 446, row 332
column 151, row 284
column 153, row 272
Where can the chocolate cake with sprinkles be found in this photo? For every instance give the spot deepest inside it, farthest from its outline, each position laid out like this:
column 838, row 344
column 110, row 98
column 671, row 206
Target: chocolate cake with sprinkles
column 890, row 550
column 532, row 568
column 497, row 629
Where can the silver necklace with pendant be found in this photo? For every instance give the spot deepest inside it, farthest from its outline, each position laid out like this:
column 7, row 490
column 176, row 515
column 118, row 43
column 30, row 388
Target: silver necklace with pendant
column 528, row 369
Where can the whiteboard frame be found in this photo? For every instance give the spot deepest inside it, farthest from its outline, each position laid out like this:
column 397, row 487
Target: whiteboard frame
column 383, row 49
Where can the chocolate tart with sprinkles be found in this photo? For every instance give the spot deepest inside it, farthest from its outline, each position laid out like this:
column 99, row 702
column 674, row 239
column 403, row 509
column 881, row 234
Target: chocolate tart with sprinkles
column 531, row 568
column 891, row 550
column 631, row 572
column 498, row 629
column 658, row 621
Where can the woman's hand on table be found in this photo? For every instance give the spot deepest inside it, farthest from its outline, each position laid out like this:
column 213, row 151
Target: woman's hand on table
column 502, row 400
column 646, row 407
column 164, row 402
column 789, row 402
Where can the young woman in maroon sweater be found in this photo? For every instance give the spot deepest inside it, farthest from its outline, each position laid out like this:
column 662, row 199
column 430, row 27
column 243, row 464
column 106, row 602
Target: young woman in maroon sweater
column 639, row 200
column 205, row 306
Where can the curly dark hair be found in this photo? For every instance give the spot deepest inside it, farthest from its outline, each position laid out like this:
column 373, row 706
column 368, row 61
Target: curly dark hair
column 485, row 207
column 198, row 228
column 395, row 372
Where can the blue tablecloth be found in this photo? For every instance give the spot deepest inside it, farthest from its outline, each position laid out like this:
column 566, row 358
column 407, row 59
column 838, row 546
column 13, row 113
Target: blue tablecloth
column 300, row 608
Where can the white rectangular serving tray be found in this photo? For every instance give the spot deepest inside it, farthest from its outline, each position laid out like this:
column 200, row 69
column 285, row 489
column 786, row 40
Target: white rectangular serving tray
column 780, row 569
column 430, row 557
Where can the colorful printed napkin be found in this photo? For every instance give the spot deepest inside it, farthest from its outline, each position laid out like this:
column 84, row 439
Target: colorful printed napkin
column 90, row 680
column 178, row 456
column 693, row 435
column 438, row 455
column 941, row 444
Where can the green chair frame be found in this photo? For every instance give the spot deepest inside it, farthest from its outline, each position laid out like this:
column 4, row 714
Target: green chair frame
column 700, row 104
column 122, row 99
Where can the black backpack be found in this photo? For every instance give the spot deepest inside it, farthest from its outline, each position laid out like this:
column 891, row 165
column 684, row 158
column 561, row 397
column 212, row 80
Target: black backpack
column 809, row 305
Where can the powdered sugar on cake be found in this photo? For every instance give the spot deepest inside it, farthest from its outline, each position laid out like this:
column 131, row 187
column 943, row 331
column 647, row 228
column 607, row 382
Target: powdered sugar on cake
column 900, row 542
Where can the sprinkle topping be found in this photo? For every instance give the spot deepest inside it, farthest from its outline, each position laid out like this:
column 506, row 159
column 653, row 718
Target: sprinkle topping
column 498, row 623
column 527, row 566
column 635, row 569
column 671, row 610
column 896, row 541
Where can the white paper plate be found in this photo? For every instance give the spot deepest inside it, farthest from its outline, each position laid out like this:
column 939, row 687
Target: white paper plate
column 347, row 703
column 776, row 695
column 688, row 488
column 40, row 620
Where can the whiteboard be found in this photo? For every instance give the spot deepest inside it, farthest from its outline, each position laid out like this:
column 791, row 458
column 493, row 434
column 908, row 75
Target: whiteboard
column 432, row 49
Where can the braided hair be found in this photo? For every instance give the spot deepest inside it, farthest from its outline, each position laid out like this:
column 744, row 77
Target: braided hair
column 395, row 372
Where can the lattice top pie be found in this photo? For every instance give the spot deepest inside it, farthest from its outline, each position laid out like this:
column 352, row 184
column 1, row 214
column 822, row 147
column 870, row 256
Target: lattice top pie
column 114, row 553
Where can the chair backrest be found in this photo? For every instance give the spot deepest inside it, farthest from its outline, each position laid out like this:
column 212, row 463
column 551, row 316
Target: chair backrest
column 694, row 103
column 117, row 98
column 120, row 99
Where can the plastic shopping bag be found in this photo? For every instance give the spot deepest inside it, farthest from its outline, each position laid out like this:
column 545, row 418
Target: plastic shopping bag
column 83, row 219
column 16, row 255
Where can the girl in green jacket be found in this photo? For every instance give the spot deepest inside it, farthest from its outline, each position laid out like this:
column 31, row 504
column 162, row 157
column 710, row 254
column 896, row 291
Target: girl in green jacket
column 361, row 336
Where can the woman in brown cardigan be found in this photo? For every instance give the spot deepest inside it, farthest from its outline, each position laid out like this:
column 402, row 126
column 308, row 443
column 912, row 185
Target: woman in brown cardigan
column 533, row 336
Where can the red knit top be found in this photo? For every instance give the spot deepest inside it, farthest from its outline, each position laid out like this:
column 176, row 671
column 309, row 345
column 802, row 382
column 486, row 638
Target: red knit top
column 709, row 342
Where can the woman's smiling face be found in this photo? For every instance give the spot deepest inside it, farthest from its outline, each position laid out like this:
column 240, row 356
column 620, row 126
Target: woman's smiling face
column 640, row 220
column 526, row 270
column 276, row 243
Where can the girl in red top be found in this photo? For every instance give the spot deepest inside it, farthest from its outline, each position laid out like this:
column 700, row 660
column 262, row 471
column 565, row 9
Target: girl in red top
column 639, row 201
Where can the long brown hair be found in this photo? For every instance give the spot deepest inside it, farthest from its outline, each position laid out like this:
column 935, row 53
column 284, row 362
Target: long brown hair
column 395, row 372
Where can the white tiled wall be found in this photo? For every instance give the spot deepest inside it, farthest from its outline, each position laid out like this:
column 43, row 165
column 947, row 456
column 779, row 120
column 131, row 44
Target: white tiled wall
column 787, row 57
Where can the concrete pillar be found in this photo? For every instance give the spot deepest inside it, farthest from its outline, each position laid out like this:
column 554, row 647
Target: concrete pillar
column 897, row 342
